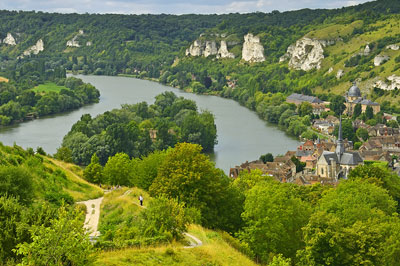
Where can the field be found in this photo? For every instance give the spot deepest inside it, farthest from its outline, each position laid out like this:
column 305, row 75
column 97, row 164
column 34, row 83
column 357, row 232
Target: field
column 217, row 249
column 48, row 87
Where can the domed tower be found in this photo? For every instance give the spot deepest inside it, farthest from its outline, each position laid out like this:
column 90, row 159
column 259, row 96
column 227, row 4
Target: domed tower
column 354, row 93
column 352, row 98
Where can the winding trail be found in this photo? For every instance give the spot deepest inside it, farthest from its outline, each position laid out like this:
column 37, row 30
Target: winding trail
column 92, row 216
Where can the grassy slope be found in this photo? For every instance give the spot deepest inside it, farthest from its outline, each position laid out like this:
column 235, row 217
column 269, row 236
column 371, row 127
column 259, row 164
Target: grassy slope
column 77, row 187
column 48, row 87
column 215, row 251
column 50, row 174
column 120, row 204
column 356, row 44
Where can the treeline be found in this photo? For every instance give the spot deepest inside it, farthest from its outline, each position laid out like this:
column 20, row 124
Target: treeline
column 348, row 224
column 139, row 129
column 18, row 104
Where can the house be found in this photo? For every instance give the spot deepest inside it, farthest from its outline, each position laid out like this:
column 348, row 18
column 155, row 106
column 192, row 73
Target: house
column 317, row 104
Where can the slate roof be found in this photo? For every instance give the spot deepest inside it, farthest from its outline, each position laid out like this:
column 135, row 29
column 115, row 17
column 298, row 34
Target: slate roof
column 347, row 158
column 365, row 102
column 304, row 98
column 354, row 91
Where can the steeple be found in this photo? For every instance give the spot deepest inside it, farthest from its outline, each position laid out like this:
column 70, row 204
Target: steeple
column 339, row 143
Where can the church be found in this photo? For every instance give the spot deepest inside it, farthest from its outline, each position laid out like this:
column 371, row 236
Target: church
column 337, row 164
column 353, row 97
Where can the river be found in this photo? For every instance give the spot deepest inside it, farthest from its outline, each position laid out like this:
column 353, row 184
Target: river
column 242, row 135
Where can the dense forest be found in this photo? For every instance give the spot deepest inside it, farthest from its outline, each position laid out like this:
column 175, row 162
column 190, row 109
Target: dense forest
column 34, row 91
column 139, row 129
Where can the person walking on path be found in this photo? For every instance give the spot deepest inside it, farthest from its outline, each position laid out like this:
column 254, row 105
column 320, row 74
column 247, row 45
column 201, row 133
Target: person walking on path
column 141, row 200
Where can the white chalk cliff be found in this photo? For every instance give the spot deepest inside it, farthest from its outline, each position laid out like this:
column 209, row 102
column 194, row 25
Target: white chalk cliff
column 211, row 48
column 394, row 83
column 223, row 51
column 73, row 42
column 380, row 59
column 10, row 40
column 252, row 51
column 34, row 49
column 195, row 49
column 305, row 54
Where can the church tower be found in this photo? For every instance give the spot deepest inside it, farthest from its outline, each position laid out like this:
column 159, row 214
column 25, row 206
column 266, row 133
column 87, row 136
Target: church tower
column 339, row 143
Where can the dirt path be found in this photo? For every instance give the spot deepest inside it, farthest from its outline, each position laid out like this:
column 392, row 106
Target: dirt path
column 92, row 216
column 195, row 243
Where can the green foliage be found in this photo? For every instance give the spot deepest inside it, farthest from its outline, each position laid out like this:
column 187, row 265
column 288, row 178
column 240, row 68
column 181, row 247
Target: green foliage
column 357, row 111
column 63, row 242
column 189, row 176
column 17, row 182
column 337, row 104
column 305, row 108
column 362, row 133
column 139, row 129
column 351, row 227
column 117, row 170
column 164, row 217
column 268, row 157
column 299, row 165
column 94, row 171
column 273, row 218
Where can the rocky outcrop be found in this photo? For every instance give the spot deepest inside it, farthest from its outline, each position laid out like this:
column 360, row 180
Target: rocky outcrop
column 340, row 74
column 394, row 83
column 195, row 49
column 73, row 42
column 34, row 49
column 10, row 40
column 306, row 54
column 223, row 51
column 394, row 47
column 367, row 50
column 252, row 51
column 380, row 59
column 330, row 70
column 210, row 49
column 89, row 43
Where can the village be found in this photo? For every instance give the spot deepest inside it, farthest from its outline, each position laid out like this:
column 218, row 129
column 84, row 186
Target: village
column 330, row 159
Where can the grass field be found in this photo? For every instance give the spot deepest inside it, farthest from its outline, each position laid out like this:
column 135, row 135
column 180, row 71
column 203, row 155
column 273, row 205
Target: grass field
column 2, row 79
column 48, row 87
column 214, row 251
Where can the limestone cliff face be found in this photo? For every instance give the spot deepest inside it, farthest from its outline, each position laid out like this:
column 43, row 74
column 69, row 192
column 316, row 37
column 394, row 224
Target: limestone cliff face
column 210, row 49
column 10, row 40
column 223, row 51
column 394, row 82
column 305, row 54
column 252, row 51
column 74, row 42
column 195, row 49
column 34, row 49
column 380, row 59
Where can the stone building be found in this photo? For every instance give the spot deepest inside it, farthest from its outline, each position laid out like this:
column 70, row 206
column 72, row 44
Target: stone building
column 337, row 164
column 353, row 97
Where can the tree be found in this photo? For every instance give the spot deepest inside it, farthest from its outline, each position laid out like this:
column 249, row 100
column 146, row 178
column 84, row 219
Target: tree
column 353, row 225
column 63, row 242
column 164, row 216
column 189, row 176
column 362, row 133
column 267, row 158
column 357, row 111
column 273, row 217
column 305, row 108
column 299, row 165
column 16, row 181
column 337, row 104
column 117, row 170
column 10, row 217
column 94, row 171
column 369, row 112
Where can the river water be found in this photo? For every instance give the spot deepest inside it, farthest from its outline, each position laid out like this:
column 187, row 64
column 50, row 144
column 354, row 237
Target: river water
column 242, row 135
